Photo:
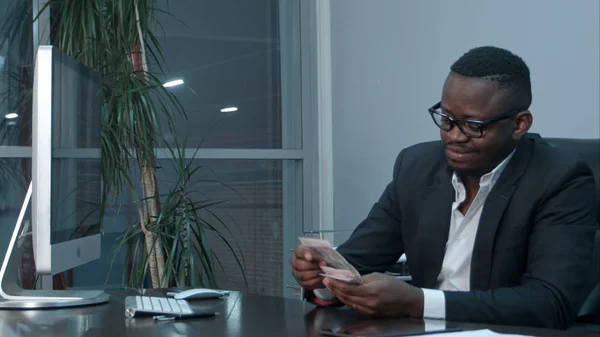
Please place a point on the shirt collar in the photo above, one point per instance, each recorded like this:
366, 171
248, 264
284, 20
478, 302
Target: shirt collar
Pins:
488, 179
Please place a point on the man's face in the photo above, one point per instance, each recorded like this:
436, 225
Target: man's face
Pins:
475, 99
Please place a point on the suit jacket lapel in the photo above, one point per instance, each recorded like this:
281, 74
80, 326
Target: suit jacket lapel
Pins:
493, 209
434, 223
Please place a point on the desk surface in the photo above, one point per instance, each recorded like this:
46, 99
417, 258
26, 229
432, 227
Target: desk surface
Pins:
245, 315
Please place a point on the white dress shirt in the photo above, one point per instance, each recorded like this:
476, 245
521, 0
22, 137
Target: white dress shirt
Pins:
456, 268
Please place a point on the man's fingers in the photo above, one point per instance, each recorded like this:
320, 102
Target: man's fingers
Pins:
356, 296
361, 304
308, 280
305, 253
303, 265
344, 287
364, 310
306, 275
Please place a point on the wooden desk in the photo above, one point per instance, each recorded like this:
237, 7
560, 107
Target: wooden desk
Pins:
244, 315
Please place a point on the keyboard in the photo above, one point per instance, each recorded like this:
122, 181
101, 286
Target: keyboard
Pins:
135, 305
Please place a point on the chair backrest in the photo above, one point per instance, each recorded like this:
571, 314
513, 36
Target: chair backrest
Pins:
588, 150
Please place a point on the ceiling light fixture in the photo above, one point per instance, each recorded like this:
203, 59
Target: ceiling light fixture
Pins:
230, 109
11, 115
173, 83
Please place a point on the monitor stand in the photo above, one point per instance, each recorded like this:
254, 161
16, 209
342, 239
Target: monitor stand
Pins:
12, 296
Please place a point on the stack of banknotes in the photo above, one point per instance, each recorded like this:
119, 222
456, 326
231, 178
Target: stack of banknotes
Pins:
337, 267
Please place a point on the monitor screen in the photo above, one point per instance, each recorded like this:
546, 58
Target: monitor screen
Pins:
76, 124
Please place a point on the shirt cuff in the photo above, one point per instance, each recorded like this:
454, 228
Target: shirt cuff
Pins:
320, 297
324, 294
434, 304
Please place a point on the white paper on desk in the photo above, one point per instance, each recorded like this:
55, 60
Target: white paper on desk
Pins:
476, 333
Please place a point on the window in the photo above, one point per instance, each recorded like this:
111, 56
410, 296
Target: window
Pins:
253, 211
16, 77
240, 64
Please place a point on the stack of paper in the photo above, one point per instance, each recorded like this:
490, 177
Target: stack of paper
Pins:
475, 333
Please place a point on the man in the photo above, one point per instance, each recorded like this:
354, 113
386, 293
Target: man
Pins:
497, 226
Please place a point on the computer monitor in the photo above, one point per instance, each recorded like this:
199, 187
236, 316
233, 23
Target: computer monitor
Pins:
65, 162
66, 185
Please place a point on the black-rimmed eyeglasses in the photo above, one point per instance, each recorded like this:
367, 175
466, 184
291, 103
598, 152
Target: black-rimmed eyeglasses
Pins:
469, 127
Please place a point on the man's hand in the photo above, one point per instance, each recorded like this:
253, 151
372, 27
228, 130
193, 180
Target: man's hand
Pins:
380, 295
306, 268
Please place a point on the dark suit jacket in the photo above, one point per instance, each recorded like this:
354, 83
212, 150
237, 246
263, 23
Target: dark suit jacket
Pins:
533, 245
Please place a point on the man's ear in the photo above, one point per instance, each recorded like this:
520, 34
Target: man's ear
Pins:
523, 122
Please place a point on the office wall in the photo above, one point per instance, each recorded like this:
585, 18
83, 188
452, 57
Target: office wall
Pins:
390, 58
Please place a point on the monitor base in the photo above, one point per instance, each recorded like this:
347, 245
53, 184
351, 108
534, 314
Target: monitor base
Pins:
13, 296
54, 299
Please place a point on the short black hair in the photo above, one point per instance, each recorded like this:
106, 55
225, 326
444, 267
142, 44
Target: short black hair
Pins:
498, 65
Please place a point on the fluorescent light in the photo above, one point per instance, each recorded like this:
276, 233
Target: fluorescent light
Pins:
11, 115
173, 83
230, 109
12, 123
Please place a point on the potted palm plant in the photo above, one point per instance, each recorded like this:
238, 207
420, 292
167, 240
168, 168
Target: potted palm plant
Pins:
115, 38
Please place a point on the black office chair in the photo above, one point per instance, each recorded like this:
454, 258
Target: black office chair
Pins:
588, 150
